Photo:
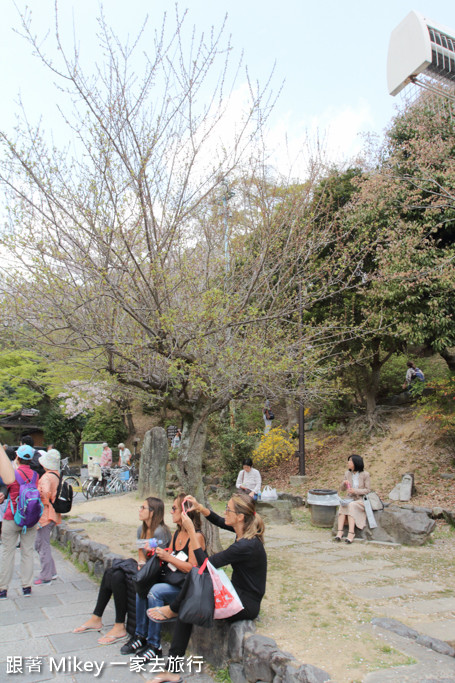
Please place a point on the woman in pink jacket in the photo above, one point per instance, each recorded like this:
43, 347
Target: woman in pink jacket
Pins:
47, 486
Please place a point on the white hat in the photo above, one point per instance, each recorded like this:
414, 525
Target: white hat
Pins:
105, 445
50, 460
121, 445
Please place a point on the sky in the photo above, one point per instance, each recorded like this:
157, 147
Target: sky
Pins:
330, 57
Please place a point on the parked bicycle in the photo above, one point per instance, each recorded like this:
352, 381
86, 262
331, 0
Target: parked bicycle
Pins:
69, 476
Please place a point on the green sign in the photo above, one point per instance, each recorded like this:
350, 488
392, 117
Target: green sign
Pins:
93, 449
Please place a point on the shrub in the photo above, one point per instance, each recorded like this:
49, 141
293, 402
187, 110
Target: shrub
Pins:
276, 446
106, 424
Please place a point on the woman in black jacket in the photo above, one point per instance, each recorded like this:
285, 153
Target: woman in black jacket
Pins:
249, 564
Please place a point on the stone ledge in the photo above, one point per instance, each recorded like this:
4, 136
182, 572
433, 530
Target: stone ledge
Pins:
400, 629
249, 656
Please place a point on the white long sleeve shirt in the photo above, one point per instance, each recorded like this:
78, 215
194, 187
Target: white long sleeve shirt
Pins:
250, 480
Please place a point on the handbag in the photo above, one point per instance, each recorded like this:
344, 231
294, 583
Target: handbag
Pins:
227, 601
375, 502
199, 603
147, 576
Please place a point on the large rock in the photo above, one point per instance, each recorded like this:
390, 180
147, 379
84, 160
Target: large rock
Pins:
397, 525
212, 644
237, 633
406, 487
278, 511
258, 651
152, 466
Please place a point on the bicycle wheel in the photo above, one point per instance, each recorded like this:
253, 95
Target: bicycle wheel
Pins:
86, 488
73, 482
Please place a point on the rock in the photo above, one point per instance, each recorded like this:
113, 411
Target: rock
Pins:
211, 645
406, 632
237, 633
279, 661
437, 513
397, 525
449, 517
153, 463
395, 492
447, 475
296, 501
236, 673
277, 511
258, 651
406, 486
305, 673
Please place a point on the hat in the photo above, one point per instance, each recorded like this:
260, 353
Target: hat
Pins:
121, 445
105, 445
25, 452
50, 460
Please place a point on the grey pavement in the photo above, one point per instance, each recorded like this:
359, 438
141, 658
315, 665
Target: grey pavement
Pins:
36, 639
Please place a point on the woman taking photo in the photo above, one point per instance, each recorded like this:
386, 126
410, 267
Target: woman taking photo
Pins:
249, 568
115, 579
180, 558
357, 484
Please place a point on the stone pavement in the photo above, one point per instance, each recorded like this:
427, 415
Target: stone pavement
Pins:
37, 632
397, 582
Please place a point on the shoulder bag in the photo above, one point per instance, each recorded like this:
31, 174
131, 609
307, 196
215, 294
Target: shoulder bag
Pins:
199, 603
147, 576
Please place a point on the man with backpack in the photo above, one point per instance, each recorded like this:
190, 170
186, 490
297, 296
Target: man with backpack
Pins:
413, 373
48, 487
21, 517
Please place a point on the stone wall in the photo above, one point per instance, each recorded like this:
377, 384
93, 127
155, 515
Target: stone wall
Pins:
249, 656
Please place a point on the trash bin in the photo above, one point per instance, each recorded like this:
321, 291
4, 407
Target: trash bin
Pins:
323, 504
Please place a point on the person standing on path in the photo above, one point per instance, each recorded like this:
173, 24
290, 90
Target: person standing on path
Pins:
266, 414
11, 532
106, 456
47, 486
124, 455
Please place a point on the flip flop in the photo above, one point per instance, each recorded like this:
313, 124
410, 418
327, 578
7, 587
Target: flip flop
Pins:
164, 620
109, 640
85, 629
163, 678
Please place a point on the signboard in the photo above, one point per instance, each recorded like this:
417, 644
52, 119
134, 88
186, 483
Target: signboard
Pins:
93, 449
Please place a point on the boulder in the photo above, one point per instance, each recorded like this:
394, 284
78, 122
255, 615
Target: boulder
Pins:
406, 487
278, 511
304, 673
258, 651
237, 633
397, 525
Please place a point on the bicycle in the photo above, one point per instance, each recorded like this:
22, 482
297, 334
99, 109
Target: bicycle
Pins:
68, 476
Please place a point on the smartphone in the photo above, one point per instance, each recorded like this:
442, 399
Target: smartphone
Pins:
186, 505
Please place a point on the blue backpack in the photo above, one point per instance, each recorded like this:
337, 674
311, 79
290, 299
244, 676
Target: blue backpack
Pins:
419, 374
29, 507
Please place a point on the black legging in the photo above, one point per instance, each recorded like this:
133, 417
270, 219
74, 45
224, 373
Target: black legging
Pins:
182, 631
113, 582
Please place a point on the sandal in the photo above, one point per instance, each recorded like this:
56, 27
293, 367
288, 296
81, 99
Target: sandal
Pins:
109, 640
350, 540
165, 619
164, 678
86, 629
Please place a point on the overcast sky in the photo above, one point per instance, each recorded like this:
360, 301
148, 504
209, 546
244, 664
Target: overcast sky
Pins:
331, 56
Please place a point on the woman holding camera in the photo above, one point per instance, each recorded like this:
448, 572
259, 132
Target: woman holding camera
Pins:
357, 484
179, 559
247, 557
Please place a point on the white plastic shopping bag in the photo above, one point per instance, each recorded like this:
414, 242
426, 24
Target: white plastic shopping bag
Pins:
269, 494
227, 601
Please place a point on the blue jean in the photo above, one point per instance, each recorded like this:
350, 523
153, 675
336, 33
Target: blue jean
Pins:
160, 594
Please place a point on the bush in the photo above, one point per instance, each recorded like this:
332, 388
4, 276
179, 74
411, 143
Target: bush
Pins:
440, 404
274, 448
106, 424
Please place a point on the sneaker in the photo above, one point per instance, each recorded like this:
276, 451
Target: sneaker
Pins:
55, 576
3, 594
151, 653
134, 645
40, 582
27, 591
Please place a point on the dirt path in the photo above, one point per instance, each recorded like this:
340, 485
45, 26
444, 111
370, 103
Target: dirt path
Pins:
321, 596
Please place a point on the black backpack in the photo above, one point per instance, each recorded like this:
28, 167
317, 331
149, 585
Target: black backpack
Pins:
64, 497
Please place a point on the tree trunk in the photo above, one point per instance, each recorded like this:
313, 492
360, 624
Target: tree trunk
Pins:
188, 466
372, 386
292, 418
449, 358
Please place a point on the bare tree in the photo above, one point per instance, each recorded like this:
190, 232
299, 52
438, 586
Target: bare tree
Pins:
119, 250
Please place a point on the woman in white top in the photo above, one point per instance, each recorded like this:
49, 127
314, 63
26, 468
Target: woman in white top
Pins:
249, 480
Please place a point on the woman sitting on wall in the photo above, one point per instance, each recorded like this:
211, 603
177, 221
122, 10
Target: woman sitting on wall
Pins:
115, 580
249, 564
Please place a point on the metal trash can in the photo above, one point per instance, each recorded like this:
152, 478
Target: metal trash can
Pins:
323, 504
